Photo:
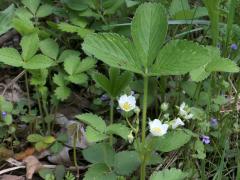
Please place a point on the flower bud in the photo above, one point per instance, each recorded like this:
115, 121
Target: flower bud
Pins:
130, 137
164, 106
137, 110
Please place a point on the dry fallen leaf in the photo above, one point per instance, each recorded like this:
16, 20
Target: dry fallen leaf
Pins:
61, 158
65, 124
22, 155
11, 177
32, 165
5, 153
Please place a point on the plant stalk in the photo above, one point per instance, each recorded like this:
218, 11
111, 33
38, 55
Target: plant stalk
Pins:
111, 119
144, 121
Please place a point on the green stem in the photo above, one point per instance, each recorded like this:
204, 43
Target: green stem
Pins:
144, 115
144, 120
111, 119
28, 95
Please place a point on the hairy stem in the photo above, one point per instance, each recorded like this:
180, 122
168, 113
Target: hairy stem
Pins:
144, 120
111, 119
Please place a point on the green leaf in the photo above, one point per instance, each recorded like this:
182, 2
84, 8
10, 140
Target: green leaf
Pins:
32, 5
38, 61
8, 119
114, 50
49, 48
68, 53
82, 32
78, 78
99, 153
62, 92
5, 106
222, 64
30, 45
116, 83
169, 174
6, 19
76, 5
23, 26
112, 6
99, 172
40, 146
33, 138
49, 139
59, 79
71, 64
86, 64
178, 6
23, 13
102, 81
120, 82
187, 56
93, 120
11, 56
60, 172
93, 135
44, 10
172, 141
118, 129
126, 162
149, 29
199, 74
200, 149
220, 100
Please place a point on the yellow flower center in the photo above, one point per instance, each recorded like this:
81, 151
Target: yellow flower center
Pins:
126, 106
157, 129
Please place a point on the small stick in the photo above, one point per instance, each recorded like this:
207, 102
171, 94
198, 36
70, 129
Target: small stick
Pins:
12, 82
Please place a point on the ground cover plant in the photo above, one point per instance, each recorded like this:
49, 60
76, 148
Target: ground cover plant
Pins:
114, 89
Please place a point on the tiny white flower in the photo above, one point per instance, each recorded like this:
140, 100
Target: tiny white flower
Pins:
164, 106
188, 116
157, 128
182, 112
182, 106
177, 122
127, 103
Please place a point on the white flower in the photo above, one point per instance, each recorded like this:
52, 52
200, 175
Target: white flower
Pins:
185, 111
177, 122
188, 116
164, 106
127, 103
157, 128
182, 112
182, 106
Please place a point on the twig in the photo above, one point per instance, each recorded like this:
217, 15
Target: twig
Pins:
20, 165
13, 81
11, 169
